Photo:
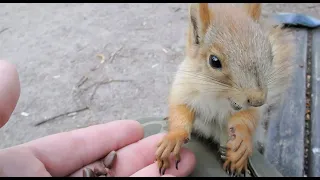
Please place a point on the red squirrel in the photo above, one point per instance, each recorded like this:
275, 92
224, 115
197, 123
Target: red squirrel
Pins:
234, 68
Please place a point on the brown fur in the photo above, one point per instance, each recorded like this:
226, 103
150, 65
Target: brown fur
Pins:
240, 148
181, 118
205, 16
254, 10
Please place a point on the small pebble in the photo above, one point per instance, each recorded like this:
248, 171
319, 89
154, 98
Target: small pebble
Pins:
24, 114
308, 116
72, 114
155, 65
164, 50
308, 77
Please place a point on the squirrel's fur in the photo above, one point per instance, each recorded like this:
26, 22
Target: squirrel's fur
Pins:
256, 59
253, 53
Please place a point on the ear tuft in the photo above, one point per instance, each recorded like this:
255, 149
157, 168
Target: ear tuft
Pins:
253, 10
204, 16
200, 18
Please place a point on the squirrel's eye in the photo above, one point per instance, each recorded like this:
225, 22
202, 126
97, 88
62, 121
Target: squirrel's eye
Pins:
214, 62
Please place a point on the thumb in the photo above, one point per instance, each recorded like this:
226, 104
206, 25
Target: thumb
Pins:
9, 91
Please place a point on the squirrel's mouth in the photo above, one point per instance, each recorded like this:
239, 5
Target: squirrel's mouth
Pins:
234, 105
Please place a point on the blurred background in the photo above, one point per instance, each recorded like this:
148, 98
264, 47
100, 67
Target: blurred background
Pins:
85, 64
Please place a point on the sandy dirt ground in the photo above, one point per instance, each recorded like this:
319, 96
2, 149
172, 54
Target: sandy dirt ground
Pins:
105, 61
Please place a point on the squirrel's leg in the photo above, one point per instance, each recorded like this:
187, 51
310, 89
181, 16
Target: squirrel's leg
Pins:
241, 129
179, 131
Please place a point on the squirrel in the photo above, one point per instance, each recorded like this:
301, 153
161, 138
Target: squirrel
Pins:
235, 68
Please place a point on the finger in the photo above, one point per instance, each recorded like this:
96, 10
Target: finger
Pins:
168, 175
138, 155
126, 165
64, 153
102, 164
187, 165
9, 91
20, 162
131, 158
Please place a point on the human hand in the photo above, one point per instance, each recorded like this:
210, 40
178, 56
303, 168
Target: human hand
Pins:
66, 154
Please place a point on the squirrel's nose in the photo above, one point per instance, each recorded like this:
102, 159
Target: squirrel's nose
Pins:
256, 98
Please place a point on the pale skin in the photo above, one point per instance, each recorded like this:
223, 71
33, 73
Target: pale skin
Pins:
66, 154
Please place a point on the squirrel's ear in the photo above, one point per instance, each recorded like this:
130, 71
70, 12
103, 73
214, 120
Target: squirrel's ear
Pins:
254, 10
199, 20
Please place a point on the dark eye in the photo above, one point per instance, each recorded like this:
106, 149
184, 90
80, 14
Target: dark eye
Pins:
214, 62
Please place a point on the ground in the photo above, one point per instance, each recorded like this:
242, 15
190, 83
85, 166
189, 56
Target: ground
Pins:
57, 49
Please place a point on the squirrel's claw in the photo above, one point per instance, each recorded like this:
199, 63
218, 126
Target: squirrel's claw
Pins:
163, 165
235, 155
222, 151
169, 144
233, 173
177, 163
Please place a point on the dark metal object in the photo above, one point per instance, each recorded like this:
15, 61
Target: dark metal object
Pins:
314, 151
285, 139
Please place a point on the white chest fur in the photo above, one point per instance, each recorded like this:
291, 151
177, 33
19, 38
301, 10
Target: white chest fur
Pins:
211, 117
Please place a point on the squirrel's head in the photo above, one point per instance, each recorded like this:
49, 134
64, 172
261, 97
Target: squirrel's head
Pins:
231, 51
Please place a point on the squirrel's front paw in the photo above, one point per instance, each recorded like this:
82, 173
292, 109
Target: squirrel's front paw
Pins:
239, 148
172, 142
